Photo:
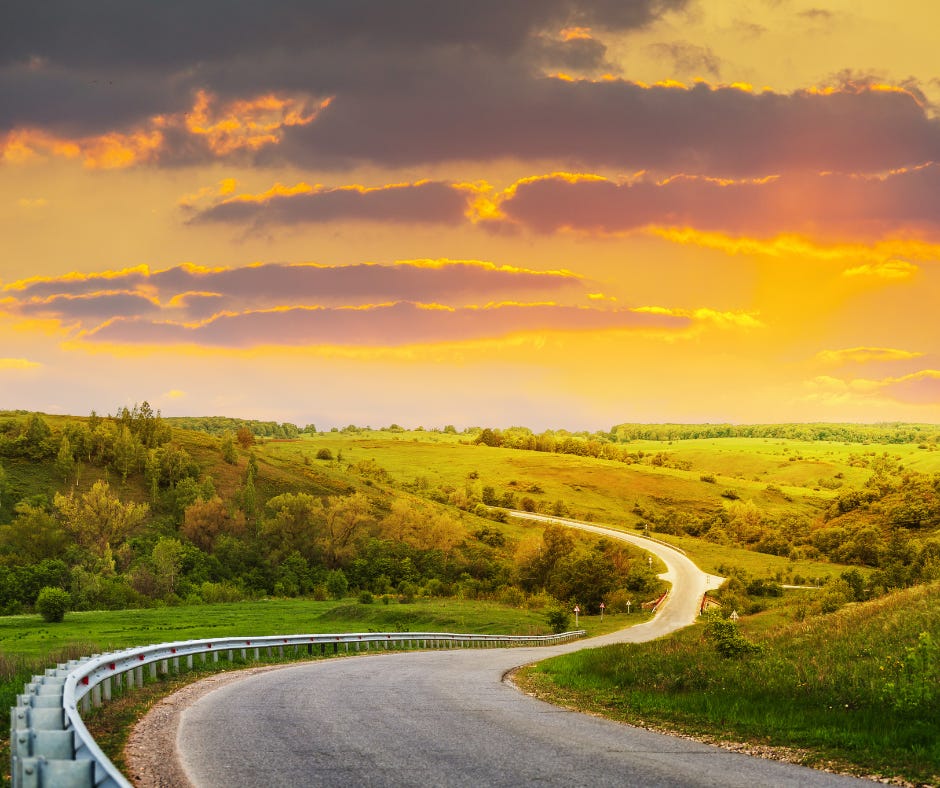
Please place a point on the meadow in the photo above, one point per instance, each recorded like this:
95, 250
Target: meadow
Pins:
856, 690
283, 531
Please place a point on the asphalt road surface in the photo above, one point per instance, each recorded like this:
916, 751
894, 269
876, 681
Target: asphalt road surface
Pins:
447, 718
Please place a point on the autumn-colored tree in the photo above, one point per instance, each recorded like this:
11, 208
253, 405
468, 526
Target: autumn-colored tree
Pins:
244, 437
205, 521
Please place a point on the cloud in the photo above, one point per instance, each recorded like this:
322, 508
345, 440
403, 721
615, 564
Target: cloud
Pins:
385, 325
422, 202
337, 85
88, 307
892, 270
705, 315
690, 60
98, 66
863, 355
828, 206
193, 293
918, 388
18, 364
718, 130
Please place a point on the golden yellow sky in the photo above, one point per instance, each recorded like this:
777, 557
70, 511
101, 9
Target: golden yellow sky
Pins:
555, 214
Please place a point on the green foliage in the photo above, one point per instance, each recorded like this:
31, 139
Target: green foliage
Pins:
365, 598
337, 584
324, 454
227, 448
559, 619
53, 603
728, 640
914, 686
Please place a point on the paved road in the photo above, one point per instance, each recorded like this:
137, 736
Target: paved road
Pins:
446, 718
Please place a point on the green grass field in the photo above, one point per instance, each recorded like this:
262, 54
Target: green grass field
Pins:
859, 688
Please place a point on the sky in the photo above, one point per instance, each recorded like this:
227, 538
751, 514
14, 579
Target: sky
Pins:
547, 213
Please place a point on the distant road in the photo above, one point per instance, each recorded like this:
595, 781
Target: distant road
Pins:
447, 718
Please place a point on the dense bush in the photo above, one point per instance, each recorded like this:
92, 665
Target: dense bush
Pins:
53, 603
558, 619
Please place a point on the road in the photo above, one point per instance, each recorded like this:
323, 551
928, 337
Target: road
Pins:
447, 718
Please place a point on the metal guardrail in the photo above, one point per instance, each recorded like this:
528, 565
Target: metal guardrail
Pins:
51, 747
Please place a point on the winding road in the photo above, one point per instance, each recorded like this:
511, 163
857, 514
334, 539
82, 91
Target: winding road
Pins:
447, 718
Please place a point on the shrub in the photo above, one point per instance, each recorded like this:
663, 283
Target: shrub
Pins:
337, 584
53, 603
324, 454
365, 598
558, 619
729, 642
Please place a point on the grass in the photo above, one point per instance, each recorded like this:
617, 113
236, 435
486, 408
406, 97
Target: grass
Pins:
851, 689
28, 645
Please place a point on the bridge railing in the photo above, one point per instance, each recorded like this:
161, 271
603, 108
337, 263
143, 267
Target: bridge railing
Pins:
51, 747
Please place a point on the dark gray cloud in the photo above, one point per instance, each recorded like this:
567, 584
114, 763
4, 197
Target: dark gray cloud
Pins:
390, 325
418, 82
56, 56
171, 35
701, 130
423, 203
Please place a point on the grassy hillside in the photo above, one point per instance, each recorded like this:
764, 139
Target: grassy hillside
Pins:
858, 689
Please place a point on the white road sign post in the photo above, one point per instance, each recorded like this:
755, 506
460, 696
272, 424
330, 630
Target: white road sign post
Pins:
629, 602
576, 611
602, 610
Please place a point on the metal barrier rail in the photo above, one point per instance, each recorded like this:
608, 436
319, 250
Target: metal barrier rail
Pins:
50, 746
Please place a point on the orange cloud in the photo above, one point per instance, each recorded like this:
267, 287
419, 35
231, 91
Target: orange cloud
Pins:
705, 315
862, 355
222, 129
892, 270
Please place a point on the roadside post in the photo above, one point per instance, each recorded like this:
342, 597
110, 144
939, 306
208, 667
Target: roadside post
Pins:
629, 602
576, 611
602, 610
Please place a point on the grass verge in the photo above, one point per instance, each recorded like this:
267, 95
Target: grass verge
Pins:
858, 690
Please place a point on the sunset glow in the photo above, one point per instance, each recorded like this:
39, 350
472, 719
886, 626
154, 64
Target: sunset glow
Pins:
569, 216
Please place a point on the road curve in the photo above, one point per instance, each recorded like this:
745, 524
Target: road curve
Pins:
446, 718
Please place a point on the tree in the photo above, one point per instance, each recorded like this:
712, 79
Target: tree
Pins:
4, 487
296, 525
65, 462
248, 496
127, 452
34, 535
227, 448
99, 520
344, 519
244, 437
205, 521
167, 557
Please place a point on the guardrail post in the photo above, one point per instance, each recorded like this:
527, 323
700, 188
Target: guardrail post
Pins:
96, 695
